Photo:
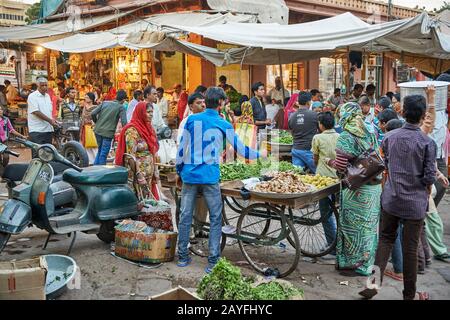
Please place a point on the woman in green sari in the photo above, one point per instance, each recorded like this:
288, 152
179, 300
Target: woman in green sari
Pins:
357, 237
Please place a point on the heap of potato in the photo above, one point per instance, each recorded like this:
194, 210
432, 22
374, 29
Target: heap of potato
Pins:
283, 182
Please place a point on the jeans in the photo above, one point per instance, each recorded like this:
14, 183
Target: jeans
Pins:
411, 235
304, 159
440, 189
213, 197
397, 254
329, 224
423, 250
104, 145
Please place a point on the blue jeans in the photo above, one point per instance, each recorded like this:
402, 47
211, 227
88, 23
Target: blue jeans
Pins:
329, 224
104, 145
213, 197
304, 159
397, 254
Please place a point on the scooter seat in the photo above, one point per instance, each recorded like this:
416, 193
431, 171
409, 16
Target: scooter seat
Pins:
16, 171
97, 175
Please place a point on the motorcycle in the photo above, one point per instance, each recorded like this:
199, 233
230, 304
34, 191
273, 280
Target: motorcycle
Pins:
65, 138
102, 196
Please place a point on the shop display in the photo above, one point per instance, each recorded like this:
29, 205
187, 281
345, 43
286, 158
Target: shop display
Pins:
283, 182
319, 181
241, 171
136, 241
284, 137
226, 282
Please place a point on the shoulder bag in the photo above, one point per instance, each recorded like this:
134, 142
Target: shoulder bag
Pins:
364, 169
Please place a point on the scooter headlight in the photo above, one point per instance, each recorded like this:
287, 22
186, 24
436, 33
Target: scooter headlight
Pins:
46, 154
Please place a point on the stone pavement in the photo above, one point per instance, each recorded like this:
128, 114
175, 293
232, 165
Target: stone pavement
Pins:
107, 277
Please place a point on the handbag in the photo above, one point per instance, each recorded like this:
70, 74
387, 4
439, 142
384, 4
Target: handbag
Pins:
364, 169
89, 137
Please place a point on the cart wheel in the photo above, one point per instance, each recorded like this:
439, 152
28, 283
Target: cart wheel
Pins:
198, 243
260, 238
310, 232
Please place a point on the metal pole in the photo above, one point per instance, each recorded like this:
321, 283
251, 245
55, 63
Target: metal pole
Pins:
281, 77
282, 83
389, 10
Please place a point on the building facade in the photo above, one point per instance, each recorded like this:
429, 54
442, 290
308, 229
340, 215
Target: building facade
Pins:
12, 13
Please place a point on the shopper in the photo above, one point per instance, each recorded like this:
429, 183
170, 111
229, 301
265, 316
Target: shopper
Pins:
259, 109
86, 124
106, 117
199, 171
138, 96
304, 125
406, 192
40, 120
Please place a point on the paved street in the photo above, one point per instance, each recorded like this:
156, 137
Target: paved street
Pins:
107, 277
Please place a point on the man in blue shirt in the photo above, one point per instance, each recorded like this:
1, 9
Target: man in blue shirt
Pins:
198, 157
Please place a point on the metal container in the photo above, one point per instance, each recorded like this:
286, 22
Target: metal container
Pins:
419, 87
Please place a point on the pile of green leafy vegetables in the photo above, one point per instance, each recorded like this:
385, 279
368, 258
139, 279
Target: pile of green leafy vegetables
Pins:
226, 282
241, 171
284, 137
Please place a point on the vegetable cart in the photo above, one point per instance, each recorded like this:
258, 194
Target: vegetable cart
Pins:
271, 233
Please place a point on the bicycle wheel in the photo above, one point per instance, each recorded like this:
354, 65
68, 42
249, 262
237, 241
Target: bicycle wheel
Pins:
260, 238
311, 234
199, 236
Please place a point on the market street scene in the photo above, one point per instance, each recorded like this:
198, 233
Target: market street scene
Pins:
224, 150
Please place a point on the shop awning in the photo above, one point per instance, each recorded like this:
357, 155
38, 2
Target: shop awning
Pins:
46, 30
85, 42
418, 35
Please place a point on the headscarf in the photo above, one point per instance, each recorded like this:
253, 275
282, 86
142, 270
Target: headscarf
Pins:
351, 119
289, 109
247, 113
54, 100
182, 104
146, 131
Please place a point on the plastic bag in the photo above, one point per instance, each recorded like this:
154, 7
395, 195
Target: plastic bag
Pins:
89, 137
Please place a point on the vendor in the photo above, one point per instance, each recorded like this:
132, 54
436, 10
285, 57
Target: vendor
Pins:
69, 110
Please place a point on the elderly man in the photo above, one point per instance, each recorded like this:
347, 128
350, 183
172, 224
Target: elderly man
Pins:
277, 92
40, 120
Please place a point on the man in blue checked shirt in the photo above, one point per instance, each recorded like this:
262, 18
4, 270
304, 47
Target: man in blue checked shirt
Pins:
204, 136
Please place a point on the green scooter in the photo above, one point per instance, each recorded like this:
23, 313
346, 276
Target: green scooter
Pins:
102, 196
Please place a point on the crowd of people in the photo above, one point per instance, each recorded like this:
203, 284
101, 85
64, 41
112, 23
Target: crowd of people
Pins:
394, 214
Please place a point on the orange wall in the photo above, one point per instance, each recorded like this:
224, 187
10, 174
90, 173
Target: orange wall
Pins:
200, 71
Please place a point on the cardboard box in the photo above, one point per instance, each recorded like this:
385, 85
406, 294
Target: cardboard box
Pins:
23, 280
178, 293
138, 242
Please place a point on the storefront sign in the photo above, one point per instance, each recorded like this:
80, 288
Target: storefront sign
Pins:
8, 66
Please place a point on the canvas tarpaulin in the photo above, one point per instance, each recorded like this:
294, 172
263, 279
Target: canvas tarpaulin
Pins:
418, 35
32, 32
84, 42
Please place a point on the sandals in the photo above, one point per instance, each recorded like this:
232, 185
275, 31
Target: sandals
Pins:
443, 257
423, 295
392, 274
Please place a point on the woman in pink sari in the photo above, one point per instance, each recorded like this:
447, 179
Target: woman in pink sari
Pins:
289, 110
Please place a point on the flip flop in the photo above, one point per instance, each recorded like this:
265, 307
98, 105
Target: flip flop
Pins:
423, 296
393, 275
443, 257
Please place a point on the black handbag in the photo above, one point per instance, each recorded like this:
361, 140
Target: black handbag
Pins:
364, 169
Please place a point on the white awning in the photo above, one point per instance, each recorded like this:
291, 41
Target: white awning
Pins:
85, 42
46, 30
419, 35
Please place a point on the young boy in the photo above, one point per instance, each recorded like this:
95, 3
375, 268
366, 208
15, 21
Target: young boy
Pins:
323, 149
6, 128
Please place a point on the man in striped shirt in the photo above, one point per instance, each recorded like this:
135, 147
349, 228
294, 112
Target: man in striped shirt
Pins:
410, 159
